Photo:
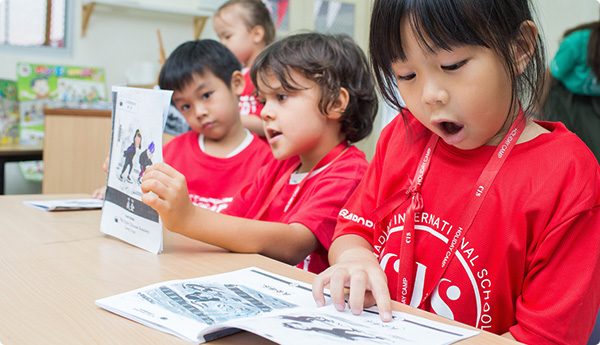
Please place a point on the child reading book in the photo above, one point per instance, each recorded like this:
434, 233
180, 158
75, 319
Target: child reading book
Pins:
218, 156
318, 97
473, 210
246, 28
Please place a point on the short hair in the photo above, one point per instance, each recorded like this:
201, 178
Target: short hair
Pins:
257, 13
444, 24
197, 57
332, 62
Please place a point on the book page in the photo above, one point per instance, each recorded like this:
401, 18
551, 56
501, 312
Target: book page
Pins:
138, 120
325, 326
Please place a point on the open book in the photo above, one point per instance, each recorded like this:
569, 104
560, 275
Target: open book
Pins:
275, 307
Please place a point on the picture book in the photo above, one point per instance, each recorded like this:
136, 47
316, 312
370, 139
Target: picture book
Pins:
138, 119
275, 307
9, 112
53, 86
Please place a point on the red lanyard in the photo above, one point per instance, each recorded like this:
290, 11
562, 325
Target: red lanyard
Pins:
485, 180
334, 154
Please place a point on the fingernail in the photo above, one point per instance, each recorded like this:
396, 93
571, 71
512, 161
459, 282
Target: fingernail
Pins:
356, 311
387, 316
340, 307
320, 303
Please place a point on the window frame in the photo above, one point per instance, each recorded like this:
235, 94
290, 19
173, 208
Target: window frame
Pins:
52, 52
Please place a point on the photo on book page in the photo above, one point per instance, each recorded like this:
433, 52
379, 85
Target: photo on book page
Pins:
138, 120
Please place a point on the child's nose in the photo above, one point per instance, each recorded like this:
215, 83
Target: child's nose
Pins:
267, 113
200, 110
434, 93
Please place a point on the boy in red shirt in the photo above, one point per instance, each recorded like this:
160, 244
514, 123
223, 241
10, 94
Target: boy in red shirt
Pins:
218, 155
318, 97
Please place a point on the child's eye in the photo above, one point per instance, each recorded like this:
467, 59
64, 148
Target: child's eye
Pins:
206, 95
407, 77
261, 101
455, 66
282, 97
184, 107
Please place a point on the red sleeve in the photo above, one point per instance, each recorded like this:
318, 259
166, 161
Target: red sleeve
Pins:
561, 292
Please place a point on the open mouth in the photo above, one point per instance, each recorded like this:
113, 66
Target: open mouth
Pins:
272, 133
451, 128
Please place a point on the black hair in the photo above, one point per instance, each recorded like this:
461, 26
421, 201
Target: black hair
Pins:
593, 51
256, 14
332, 62
444, 24
197, 57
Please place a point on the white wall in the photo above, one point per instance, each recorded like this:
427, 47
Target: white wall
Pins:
556, 16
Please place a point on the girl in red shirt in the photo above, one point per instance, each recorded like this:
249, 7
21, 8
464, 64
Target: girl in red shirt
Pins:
470, 209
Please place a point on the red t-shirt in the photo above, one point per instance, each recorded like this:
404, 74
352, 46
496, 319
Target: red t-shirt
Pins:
249, 104
317, 205
528, 264
213, 182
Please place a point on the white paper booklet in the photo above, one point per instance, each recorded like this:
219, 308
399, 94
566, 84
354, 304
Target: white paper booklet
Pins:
66, 205
272, 306
139, 116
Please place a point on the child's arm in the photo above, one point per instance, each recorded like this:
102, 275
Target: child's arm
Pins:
354, 266
290, 243
253, 124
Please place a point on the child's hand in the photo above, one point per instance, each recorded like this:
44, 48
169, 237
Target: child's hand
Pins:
99, 193
358, 269
171, 198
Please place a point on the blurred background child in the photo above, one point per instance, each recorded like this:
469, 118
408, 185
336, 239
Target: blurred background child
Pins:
246, 28
574, 95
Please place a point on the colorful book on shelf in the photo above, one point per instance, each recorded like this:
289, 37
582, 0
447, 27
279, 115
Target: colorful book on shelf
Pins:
275, 307
43, 86
138, 119
9, 112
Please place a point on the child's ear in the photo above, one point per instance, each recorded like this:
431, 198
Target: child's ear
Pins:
339, 106
524, 45
237, 82
258, 34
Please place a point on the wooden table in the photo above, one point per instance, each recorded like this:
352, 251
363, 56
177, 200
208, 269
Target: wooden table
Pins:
17, 153
54, 265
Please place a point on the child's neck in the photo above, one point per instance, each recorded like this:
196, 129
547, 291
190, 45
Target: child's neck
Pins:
222, 147
309, 159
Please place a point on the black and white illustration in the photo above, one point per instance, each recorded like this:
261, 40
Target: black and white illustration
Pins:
139, 116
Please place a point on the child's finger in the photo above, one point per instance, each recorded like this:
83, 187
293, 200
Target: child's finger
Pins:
318, 286
337, 286
358, 287
381, 294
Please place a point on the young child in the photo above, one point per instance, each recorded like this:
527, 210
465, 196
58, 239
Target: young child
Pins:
318, 96
574, 95
473, 210
218, 156
246, 28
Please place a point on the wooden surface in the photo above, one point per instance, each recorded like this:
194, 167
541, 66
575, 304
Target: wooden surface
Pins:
76, 143
54, 265
20, 150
